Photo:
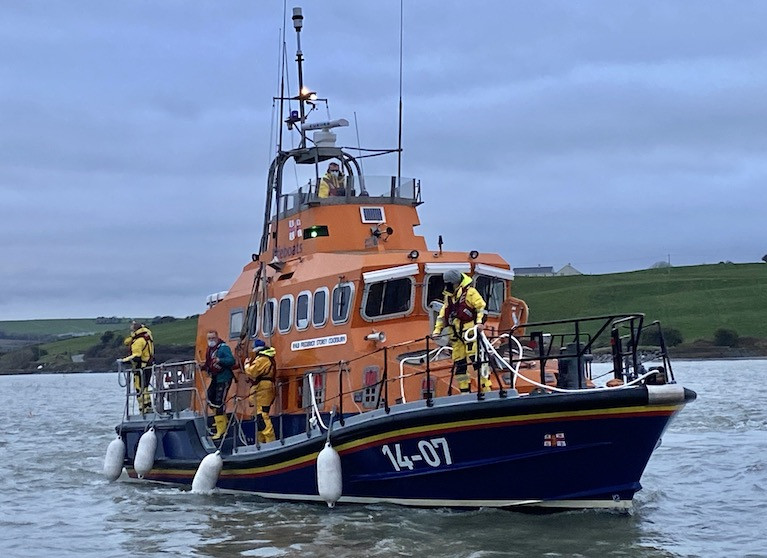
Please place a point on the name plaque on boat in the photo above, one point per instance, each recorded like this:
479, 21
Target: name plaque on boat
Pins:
318, 342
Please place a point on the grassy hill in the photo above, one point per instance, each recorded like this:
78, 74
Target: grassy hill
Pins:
174, 339
76, 326
180, 332
696, 300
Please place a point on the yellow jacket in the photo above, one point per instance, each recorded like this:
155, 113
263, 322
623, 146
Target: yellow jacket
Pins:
141, 347
473, 299
329, 185
260, 367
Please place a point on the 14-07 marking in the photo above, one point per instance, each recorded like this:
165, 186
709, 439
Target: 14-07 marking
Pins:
429, 451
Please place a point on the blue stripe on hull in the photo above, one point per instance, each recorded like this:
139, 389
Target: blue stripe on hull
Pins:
602, 459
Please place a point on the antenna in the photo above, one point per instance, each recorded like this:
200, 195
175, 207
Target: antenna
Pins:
298, 23
399, 133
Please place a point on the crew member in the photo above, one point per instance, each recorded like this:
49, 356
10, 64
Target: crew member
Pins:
141, 359
219, 361
462, 310
333, 183
261, 370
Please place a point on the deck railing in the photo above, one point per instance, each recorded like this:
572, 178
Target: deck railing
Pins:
562, 351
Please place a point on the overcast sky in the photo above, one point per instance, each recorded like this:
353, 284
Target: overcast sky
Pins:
135, 135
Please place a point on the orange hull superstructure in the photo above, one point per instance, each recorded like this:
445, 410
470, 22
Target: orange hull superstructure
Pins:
331, 337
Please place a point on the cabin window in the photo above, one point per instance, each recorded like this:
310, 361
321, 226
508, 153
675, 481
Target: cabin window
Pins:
341, 303
302, 310
253, 320
267, 317
320, 307
434, 288
492, 290
285, 314
236, 317
388, 298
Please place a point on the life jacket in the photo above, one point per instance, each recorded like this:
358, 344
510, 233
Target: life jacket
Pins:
459, 309
144, 334
268, 374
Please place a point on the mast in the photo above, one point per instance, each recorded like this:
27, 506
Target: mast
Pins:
298, 23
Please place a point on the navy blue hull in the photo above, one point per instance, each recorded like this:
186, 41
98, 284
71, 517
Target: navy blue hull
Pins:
556, 449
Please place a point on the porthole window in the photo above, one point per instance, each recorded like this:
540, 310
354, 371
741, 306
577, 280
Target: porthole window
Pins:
285, 314
303, 303
253, 320
320, 307
341, 303
384, 299
267, 317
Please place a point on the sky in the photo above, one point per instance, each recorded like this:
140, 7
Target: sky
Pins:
135, 137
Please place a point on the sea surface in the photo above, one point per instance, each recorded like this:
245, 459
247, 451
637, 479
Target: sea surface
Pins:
705, 491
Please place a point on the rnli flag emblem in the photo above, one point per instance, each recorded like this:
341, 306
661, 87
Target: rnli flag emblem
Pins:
294, 229
554, 440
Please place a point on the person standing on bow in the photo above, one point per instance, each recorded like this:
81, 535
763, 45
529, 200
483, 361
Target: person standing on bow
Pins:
462, 309
141, 359
219, 362
261, 370
333, 183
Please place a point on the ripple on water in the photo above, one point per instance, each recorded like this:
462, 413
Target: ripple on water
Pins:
705, 487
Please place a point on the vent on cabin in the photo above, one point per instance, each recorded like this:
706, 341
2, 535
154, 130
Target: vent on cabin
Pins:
372, 214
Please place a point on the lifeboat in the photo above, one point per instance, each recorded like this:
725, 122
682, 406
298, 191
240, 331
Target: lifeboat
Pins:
367, 407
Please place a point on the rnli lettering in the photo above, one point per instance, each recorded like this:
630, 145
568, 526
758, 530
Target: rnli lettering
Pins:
288, 251
318, 342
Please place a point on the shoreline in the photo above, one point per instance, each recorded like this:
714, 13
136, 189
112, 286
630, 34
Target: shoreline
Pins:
673, 360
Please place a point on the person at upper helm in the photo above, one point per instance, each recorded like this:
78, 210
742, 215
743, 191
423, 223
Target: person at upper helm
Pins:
461, 311
333, 183
141, 359
261, 370
219, 361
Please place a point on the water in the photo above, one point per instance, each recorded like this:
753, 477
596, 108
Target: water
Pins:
704, 491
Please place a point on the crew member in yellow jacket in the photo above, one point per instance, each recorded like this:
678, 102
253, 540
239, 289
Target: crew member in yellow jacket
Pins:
141, 359
261, 369
333, 183
462, 309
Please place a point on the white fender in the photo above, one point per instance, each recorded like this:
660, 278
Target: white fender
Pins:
114, 459
206, 477
329, 480
144, 460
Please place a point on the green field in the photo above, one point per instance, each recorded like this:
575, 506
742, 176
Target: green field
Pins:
696, 300
180, 332
74, 326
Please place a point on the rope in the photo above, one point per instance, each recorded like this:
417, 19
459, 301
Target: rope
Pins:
315, 410
402, 376
489, 347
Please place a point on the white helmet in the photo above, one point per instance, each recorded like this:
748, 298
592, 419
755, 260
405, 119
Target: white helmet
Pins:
452, 276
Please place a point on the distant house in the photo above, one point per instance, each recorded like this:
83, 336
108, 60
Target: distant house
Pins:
569, 270
539, 271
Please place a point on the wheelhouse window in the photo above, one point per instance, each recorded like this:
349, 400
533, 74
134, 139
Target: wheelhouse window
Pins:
341, 303
388, 298
320, 307
267, 317
434, 288
236, 317
303, 303
285, 314
492, 290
